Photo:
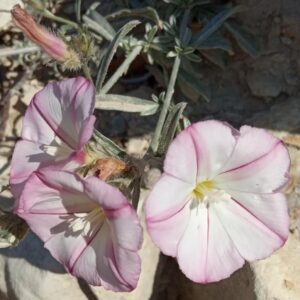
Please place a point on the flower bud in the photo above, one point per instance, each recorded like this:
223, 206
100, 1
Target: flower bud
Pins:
49, 42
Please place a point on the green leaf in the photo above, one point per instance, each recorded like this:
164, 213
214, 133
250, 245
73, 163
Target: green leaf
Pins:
99, 28
216, 41
214, 24
102, 21
78, 10
170, 127
12, 229
146, 12
110, 51
126, 103
245, 40
191, 84
184, 31
108, 145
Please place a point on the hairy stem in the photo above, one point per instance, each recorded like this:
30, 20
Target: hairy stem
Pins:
17, 51
121, 70
47, 14
166, 104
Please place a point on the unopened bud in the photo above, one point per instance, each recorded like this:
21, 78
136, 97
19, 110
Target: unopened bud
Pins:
49, 42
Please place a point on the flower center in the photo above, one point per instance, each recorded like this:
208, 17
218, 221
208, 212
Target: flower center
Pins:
83, 221
207, 193
57, 149
202, 188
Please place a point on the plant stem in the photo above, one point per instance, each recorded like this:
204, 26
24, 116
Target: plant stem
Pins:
47, 14
121, 70
14, 51
78, 10
166, 104
86, 71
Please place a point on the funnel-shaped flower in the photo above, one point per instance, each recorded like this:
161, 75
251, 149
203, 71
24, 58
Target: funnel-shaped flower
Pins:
86, 224
50, 43
57, 124
218, 202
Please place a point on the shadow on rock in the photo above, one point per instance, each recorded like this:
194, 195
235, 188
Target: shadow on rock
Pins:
171, 284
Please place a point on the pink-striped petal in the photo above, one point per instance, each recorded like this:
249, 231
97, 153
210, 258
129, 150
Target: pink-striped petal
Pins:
252, 144
104, 263
270, 209
167, 197
181, 158
214, 142
28, 157
86, 130
61, 109
206, 253
264, 175
53, 192
125, 227
166, 233
103, 194
252, 238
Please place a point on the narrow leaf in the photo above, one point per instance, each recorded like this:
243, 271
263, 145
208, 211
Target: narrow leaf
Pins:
126, 103
78, 10
110, 51
214, 24
170, 126
216, 41
108, 145
245, 40
102, 21
183, 29
187, 82
146, 12
93, 25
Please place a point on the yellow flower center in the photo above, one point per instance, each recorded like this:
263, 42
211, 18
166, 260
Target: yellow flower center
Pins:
202, 188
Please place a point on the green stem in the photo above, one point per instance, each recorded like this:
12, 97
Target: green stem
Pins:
121, 70
166, 104
78, 10
47, 14
86, 71
13, 51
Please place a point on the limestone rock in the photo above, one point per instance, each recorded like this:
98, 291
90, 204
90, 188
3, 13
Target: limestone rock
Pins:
5, 17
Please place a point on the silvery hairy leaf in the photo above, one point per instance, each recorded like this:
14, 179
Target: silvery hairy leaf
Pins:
126, 103
170, 126
110, 51
108, 145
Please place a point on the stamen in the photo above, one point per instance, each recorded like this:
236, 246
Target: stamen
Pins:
57, 149
83, 221
202, 188
206, 192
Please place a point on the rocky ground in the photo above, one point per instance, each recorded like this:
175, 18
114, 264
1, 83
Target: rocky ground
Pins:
263, 92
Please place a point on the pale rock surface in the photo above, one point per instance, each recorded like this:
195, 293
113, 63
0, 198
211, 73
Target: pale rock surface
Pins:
278, 277
5, 17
